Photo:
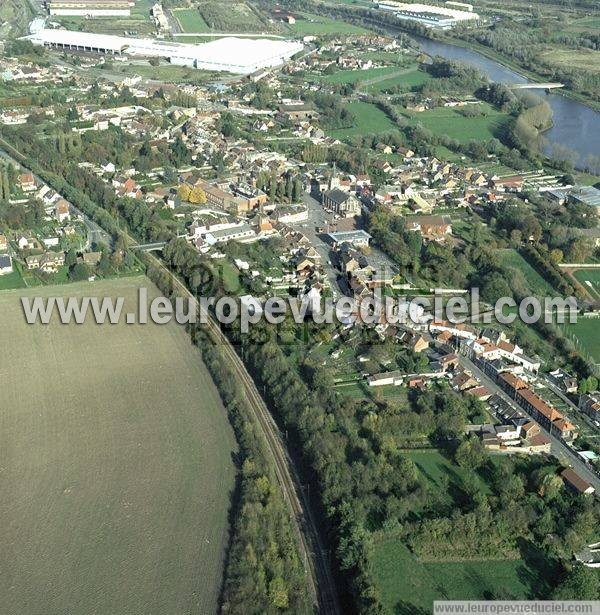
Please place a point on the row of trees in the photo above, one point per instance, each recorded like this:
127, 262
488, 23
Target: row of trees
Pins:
285, 188
264, 572
192, 194
7, 181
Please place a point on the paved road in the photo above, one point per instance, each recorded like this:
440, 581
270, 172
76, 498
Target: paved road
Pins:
217, 34
319, 218
558, 447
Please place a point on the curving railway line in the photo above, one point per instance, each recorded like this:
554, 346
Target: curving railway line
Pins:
321, 582
320, 579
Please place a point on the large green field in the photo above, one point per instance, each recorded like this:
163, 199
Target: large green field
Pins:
537, 284
375, 80
190, 20
369, 120
587, 23
317, 25
237, 16
585, 59
405, 80
358, 76
116, 459
450, 121
409, 586
11, 280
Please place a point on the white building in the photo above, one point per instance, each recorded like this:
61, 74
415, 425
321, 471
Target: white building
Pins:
439, 17
229, 232
229, 54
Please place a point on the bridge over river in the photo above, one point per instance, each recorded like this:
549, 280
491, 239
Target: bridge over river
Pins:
536, 86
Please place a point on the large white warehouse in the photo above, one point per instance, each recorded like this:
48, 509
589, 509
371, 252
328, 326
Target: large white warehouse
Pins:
230, 54
439, 17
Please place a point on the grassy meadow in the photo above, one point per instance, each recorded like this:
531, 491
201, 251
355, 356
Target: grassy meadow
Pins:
190, 20
451, 122
369, 120
537, 284
317, 25
409, 586
585, 333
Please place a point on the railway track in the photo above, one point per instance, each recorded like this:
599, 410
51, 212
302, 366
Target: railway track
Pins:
320, 579
321, 584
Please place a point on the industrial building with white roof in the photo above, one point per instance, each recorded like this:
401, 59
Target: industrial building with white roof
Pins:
230, 54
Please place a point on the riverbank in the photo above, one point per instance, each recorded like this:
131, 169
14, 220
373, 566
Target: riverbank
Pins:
572, 136
509, 63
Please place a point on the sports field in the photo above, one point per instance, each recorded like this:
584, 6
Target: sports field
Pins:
590, 279
369, 120
585, 334
116, 465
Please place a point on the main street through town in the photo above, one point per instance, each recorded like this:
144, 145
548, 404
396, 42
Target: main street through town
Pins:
319, 218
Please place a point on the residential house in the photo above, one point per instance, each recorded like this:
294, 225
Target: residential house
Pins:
457, 330
50, 262
463, 381
417, 343
26, 182
449, 362
394, 378
511, 183
297, 112
589, 403
62, 211
5, 264
576, 483
567, 384
480, 392
406, 152
91, 259
432, 228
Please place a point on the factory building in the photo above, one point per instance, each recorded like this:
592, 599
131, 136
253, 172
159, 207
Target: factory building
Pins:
230, 54
442, 18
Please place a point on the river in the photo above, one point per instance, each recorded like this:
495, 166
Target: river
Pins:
576, 126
